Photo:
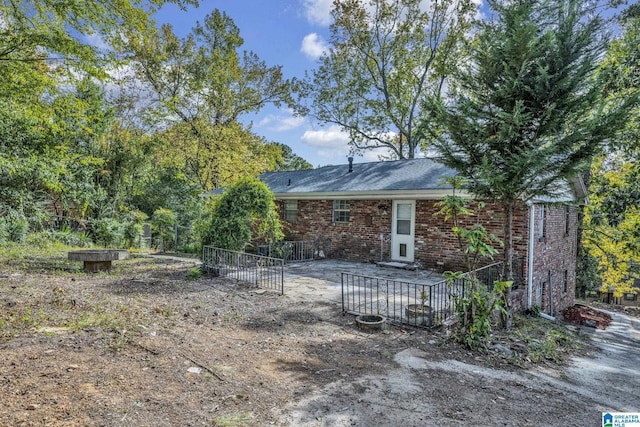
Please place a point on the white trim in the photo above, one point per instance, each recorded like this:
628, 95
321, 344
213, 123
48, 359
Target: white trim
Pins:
407, 239
532, 242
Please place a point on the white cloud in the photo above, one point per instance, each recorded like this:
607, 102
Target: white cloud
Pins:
281, 123
330, 143
331, 137
313, 46
318, 11
333, 143
96, 40
288, 123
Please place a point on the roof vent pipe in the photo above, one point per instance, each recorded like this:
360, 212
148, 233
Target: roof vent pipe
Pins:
350, 164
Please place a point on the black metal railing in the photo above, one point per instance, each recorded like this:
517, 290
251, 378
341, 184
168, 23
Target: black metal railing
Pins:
415, 304
297, 250
264, 272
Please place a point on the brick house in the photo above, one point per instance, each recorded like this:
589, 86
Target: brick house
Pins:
385, 211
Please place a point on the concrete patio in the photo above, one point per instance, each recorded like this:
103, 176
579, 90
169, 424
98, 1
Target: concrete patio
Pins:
370, 289
324, 277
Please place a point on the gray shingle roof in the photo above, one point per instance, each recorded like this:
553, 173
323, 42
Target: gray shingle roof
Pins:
407, 175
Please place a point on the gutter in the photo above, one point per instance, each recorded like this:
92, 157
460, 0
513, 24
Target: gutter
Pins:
425, 194
532, 221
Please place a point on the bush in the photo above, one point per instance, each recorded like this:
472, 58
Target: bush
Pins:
245, 211
107, 232
16, 228
132, 227
4, 234
163, 224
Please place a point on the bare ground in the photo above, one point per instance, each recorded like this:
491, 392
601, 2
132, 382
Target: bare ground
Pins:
145, 346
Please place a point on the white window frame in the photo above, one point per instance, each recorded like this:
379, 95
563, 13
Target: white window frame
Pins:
341, 211
290, 210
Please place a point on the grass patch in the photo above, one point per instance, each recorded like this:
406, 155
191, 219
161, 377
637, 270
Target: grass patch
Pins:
194, 273
235, 420
546, 341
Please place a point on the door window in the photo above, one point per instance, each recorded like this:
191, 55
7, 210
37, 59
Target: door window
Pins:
403, 218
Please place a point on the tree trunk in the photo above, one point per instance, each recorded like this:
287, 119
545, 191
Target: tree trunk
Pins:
507, 269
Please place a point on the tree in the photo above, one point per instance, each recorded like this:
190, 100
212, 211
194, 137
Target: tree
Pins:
612, 219
55, 120
612, 226
246, 211
528, 112
290, 161
204, 85
55, 31
387, 58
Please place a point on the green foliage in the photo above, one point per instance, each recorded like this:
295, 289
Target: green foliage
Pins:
611, 236
204, 85
587, 275
544, 341
245, 212
476, 310
386, 60
107, 232
132, 227
475, 242
530, 113
16, 227
34, 30
289, 161
70, 151
194, 273
534, 311
163, 224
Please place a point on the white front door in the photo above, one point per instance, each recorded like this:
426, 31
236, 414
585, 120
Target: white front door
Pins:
402, 230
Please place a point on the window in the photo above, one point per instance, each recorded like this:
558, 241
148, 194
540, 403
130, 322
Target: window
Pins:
403, 219
541, 231
290, 210
565, 281
340, 211
629, 297
567, 219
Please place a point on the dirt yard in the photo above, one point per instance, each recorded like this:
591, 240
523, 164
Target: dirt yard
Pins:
147, 346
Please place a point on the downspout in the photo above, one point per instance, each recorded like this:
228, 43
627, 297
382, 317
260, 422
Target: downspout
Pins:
532, 238
550, 293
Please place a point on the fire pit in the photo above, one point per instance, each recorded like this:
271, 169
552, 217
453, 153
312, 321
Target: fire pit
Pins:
371, 323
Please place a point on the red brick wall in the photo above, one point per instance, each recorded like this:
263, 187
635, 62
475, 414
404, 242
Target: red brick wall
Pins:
554, 254
357, 240
367, 237
360, 239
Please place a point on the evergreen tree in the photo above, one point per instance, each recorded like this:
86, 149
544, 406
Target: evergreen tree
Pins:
528, 112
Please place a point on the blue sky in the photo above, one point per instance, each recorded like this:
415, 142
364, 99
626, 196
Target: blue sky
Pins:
290, 33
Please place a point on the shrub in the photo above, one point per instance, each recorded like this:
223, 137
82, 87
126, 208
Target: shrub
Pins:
107, 232
132, 227
244, 212
16, 228
163, 224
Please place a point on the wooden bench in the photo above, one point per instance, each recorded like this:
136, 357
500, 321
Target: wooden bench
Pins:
98, 259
